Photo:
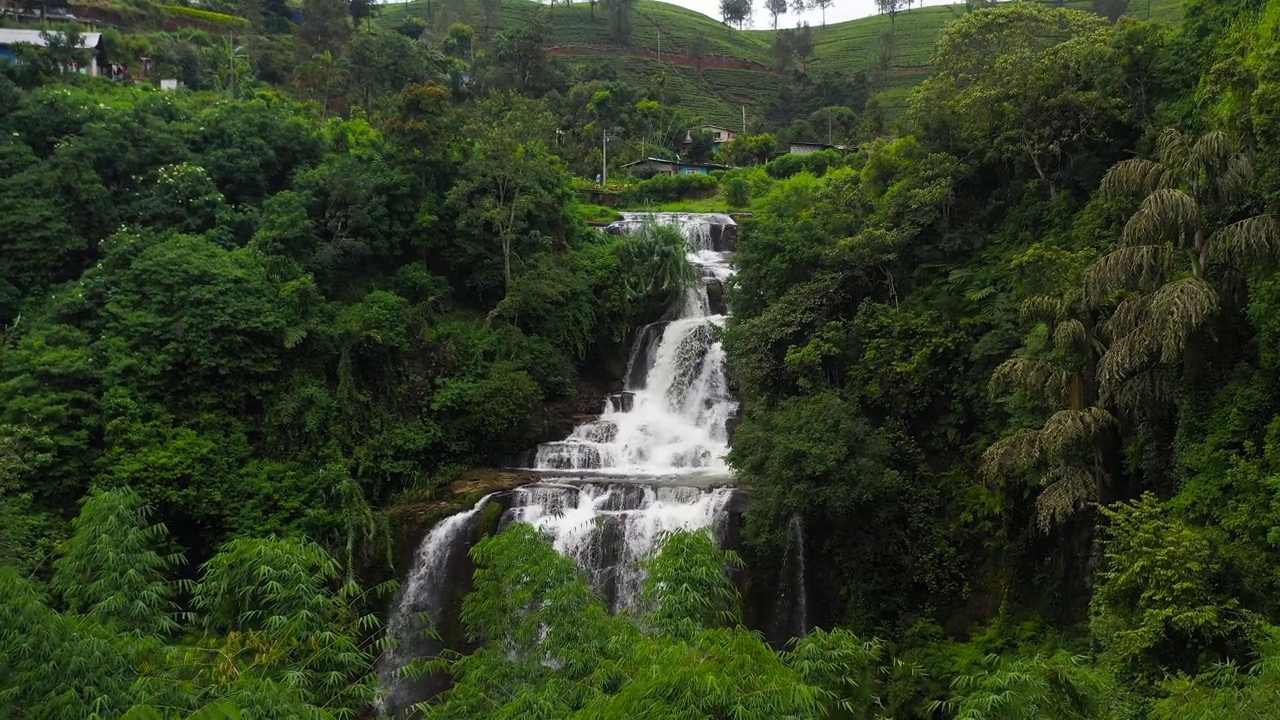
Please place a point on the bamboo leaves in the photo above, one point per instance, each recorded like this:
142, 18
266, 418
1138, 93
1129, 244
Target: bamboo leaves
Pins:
280, 639
553, 652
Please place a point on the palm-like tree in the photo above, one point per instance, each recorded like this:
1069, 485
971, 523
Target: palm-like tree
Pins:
1176, 254
658, 262
1067, 455
323, 77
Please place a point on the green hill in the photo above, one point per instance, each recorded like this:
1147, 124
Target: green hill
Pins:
739, 70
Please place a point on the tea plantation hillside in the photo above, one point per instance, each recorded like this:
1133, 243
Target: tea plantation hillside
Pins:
738, 68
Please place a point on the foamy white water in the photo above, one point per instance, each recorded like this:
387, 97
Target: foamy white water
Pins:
674, 418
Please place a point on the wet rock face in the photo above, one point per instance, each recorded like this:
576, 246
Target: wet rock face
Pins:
731, 424
715, 298
724, 238
621, 401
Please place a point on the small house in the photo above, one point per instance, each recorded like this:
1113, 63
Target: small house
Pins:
649, 167
719, 135
10, 38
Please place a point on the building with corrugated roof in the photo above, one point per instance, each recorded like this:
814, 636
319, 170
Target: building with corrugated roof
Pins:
10, 38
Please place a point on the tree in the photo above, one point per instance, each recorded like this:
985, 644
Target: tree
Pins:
551, 650
109, 568
751, 149
325, 26
362, 10
40, 248
618, 16
459, 42
891, 8
1112, 10
1069, 453
1230, 691
658, 257
380, 64
522, 63
505, 180
1013, 84
782, 55
41, 649
284, 625
823, 4
278, 640
1054, 687
735, 12
1160, 606
802, 45
323, 78
1178, 253
699, 49
776, 8
491, 9
884, 59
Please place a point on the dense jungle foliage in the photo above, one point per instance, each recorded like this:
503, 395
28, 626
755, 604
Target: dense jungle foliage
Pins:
1013, 365
1016, 370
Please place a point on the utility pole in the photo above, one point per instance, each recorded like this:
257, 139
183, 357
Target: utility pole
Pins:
744, 119
604, 157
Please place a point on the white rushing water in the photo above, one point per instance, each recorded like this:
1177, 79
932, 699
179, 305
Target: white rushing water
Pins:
673, 418
420, 593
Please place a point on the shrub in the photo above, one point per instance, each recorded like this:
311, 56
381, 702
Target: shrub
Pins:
817, 163
669, 188
736, 192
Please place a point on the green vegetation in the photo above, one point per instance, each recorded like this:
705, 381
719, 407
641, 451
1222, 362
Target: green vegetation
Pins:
230, 21
1013, 365
1014, 370
553, 650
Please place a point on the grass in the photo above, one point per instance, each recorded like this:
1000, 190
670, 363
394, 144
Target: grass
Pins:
717, 93
598, 214
714, 204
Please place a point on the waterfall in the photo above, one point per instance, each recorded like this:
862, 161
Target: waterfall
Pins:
791, 614
673, 418
422, 594
652, 462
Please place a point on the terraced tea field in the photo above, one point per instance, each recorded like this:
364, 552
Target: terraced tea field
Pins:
738, 70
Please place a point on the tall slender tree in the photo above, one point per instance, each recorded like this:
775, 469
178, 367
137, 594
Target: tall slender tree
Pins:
775, 8
617, 14
735, 12
823, 5
1067, 455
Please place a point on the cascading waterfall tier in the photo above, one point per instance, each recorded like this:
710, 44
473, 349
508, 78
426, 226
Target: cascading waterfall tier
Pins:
652, 462
609, 528
421, 605
673, 417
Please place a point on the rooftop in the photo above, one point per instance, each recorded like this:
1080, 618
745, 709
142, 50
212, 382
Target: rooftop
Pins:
679, 162
33, 37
